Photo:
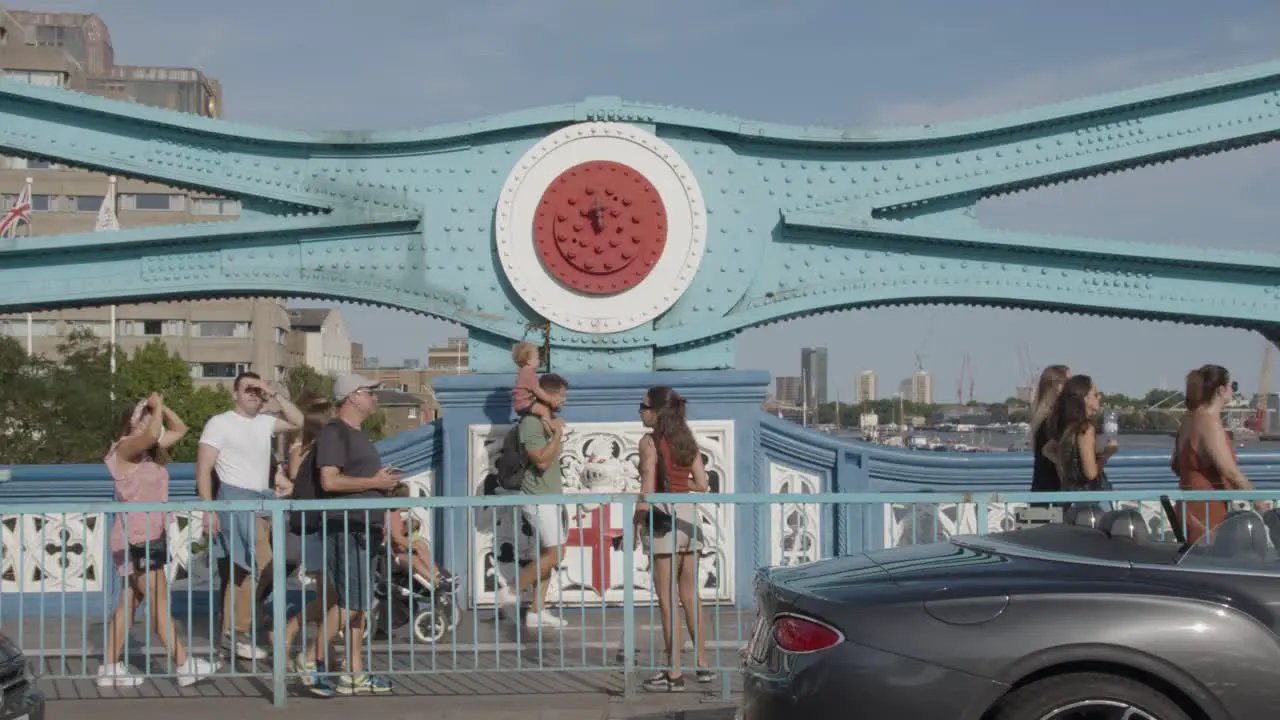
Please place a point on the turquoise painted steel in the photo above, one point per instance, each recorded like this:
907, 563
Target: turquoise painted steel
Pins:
64, 640
800, 220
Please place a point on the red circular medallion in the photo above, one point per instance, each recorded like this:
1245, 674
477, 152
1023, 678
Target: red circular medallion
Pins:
601, 227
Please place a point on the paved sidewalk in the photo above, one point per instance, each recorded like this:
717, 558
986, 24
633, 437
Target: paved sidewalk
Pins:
690, 705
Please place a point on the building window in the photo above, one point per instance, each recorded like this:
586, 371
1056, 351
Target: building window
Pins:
217, 371
50, 36
39, 328
281, 334
280, 373
413, 413
404, 388
214, 206
88, 203
219, 329
42, 78
151, 328
100, 328
160, 202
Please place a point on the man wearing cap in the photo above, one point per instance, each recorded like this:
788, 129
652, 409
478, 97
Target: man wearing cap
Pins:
349, 465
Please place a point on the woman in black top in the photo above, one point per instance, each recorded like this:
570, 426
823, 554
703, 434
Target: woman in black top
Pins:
1044, 474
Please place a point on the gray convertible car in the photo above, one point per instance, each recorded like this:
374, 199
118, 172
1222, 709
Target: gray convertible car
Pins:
1085, 619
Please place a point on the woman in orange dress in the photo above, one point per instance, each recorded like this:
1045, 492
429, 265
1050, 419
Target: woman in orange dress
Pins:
1203, 458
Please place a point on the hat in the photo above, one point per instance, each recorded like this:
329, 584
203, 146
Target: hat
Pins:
347, 384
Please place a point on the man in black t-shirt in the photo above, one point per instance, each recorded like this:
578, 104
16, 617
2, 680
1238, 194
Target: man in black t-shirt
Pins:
349, 465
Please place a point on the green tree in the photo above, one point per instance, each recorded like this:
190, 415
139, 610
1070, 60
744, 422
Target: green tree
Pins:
303, 380
375, 426
26, 410
154, 368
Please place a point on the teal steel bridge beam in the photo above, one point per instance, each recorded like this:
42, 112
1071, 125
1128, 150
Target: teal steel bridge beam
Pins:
766, 222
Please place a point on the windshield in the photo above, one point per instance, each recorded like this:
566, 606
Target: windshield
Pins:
1241, 543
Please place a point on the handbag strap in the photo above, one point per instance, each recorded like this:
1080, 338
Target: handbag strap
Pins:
662, 465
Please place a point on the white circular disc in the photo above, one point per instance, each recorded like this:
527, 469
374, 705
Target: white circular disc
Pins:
686, 218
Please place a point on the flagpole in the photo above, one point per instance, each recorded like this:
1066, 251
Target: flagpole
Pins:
107, 222
31, 345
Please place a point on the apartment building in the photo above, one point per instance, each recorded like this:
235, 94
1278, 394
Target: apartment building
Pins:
319, 338
865, 390
74, 51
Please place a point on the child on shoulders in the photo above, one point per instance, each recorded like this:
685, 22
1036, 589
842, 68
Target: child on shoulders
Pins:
526, 394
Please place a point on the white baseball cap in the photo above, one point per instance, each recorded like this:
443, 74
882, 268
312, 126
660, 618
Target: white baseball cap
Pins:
347, 384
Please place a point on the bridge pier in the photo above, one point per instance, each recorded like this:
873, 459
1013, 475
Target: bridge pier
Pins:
600, 456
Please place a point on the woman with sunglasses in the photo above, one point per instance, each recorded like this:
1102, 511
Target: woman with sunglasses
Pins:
1203, 458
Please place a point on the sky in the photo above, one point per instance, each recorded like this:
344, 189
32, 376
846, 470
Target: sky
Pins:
396, 64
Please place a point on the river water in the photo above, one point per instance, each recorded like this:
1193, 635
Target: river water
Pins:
1002, 441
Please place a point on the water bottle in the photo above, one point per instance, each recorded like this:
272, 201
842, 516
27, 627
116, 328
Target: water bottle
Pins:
1110, 427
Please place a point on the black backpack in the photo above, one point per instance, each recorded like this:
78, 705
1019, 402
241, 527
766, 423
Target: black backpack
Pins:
511, 462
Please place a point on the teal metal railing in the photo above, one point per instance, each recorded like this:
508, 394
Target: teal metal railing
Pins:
61, 585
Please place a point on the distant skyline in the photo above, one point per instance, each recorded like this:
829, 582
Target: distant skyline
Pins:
818, 62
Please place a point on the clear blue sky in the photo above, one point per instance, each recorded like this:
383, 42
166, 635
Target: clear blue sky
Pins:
405, 63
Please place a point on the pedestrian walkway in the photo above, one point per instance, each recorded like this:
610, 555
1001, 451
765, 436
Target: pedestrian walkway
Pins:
550, 706
482, 658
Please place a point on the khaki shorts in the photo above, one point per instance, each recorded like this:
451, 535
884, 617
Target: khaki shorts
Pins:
685, 535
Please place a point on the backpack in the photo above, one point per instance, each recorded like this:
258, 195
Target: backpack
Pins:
511, 461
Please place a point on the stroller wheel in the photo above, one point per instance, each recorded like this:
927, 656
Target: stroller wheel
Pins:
429, 626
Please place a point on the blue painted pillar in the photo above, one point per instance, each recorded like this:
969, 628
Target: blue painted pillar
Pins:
603, 409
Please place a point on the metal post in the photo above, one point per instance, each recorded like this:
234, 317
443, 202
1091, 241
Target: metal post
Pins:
628, 598
278, 605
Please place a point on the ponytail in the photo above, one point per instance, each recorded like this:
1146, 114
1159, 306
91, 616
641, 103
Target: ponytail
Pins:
1203, 383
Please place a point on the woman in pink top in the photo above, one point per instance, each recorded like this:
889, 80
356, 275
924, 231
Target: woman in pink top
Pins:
139, 547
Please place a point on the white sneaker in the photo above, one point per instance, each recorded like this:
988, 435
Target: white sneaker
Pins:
543, 619
117, 675
247, 650
507, 598
194, 670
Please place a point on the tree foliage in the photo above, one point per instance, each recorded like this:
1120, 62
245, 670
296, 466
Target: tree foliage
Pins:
305, 381
71, 411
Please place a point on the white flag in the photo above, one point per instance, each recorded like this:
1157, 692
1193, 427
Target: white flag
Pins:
107, 220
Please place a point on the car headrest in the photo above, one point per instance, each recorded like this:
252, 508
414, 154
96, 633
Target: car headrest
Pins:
1085, 514
1242, 534
1271, 519
1125, 525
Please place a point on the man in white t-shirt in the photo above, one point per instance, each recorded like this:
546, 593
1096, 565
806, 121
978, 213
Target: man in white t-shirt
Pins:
237, 446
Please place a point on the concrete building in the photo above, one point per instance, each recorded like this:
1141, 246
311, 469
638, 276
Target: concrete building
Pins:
402, 411
74, 51
219, 340
787, 390
318, 337
918, 389
813, 374
451, 358
865, 387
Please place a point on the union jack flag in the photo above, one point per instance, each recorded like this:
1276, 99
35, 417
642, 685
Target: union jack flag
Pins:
17, 215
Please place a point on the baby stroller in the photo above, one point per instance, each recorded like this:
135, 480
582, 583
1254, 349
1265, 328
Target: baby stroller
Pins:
406, 597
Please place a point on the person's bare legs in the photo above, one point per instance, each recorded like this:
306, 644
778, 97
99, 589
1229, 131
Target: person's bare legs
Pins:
161, 619
694, 617
536, 572
312, 613
671, 639
122, 620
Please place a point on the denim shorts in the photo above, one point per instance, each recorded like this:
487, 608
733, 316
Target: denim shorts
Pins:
347, 567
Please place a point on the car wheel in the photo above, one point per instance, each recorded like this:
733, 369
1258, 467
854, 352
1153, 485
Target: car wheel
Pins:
1077, 696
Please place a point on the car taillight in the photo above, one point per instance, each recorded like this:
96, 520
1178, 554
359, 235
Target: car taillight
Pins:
796, 634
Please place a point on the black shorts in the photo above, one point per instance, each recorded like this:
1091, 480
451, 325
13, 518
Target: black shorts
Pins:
146, 557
